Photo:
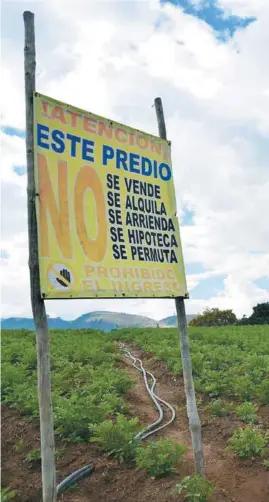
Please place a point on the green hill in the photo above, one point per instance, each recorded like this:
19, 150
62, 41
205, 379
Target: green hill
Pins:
103, 320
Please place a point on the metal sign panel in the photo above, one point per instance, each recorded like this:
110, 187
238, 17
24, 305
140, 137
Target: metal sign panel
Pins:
106, 208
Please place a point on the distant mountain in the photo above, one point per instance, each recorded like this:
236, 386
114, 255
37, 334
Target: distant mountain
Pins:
171, 322
103, 320
27, 323
17, 323
107, 321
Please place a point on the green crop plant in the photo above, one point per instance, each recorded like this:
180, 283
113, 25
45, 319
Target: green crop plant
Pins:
160, 458
195, 488
34, 457
117, 437
247, 412
7, 494
229, 362
87, 385
219, 408
248, 442
263, 392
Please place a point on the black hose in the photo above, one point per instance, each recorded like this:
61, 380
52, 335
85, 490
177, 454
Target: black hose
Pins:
74, 478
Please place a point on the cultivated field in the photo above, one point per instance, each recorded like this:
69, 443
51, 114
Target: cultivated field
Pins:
95, 388
231, 362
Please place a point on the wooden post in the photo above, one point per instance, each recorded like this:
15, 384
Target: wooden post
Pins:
193, 416
38, 306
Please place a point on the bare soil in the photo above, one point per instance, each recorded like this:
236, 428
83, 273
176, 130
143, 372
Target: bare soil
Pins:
237, 480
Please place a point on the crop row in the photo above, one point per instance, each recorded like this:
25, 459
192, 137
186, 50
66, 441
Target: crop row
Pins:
88, 389
229, 362
87, 385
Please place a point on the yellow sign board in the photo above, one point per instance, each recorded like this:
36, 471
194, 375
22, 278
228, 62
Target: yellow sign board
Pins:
106, 209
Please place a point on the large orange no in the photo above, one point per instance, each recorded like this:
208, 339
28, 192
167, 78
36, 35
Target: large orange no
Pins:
87, 179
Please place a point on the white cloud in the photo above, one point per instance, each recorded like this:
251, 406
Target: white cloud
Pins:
244, 8
114, 59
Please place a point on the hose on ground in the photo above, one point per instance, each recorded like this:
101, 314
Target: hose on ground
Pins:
145, 433
152, 428
74, 478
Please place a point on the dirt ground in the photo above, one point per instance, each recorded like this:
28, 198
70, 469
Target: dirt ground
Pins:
237, 480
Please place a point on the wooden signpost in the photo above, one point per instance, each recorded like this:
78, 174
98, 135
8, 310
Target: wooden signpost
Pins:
193, 416
53, 276
38, 305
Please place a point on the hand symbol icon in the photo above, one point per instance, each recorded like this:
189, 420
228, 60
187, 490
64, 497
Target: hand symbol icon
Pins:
66, 275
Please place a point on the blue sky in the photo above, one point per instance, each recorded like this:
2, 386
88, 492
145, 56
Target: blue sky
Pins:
208, 288
194, 268
13, 131
20, 170
187, 218
224, 25
263, 283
